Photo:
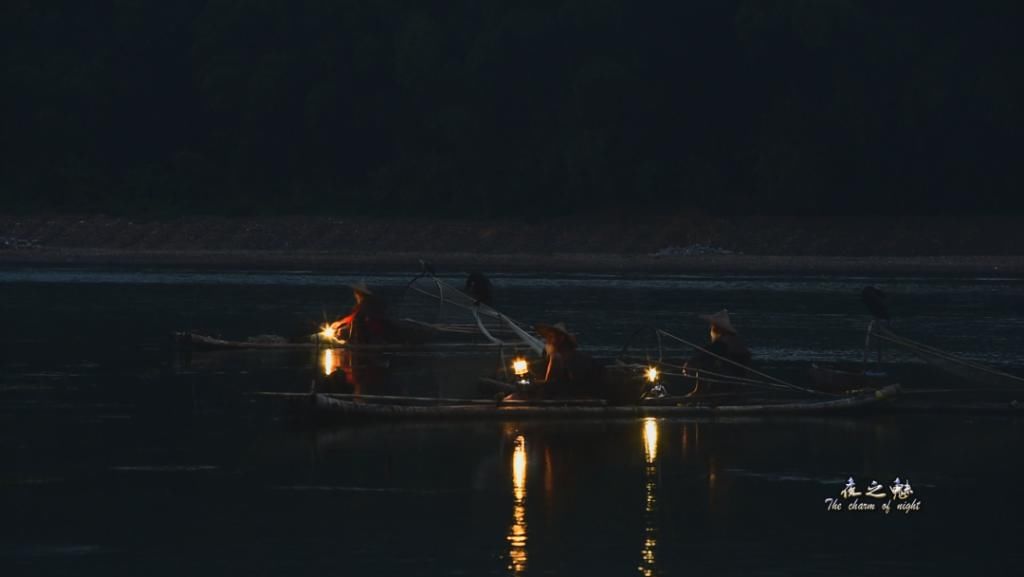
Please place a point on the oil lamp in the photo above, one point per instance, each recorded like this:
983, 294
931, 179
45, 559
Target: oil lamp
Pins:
521, 369
655, 390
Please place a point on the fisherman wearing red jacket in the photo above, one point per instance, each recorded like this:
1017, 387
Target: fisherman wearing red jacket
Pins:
367, 321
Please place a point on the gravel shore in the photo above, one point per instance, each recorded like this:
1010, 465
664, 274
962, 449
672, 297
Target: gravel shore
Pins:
995, 266
759, 245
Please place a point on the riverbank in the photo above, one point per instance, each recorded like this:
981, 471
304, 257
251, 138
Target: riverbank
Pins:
1001, 266
990, 246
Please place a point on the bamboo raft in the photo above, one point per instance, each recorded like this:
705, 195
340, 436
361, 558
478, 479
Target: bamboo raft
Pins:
340, 409
836, 379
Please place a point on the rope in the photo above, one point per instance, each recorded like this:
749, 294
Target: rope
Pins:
778, 382
738, 380
703, 376
721, 378
931, 351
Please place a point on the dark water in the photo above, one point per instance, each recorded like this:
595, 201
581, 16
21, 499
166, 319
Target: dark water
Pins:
121, 457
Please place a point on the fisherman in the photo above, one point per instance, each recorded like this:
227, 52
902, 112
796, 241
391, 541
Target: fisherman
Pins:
570, 372
367, 322
726, 351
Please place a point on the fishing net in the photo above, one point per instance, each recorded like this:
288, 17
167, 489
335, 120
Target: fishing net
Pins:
439, 310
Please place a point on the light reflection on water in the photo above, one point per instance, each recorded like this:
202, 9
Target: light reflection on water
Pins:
517, 531
650, 439
330, 360
648, 565
644, 495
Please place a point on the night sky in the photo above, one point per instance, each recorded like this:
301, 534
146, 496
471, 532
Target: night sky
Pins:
822, 107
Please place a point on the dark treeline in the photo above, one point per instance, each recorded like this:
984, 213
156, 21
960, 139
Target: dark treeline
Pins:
487, 108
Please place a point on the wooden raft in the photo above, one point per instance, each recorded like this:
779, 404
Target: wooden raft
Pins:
334, 408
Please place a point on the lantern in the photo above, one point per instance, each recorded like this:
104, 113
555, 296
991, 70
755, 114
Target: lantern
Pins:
521, 369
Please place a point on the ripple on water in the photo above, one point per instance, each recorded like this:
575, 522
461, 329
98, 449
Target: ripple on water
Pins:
358, 489
38, 550
164, 468
786, 477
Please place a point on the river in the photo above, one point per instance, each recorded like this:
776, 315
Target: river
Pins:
123, 458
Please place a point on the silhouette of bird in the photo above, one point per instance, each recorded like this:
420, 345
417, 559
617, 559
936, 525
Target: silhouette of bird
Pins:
478, 286
874, 300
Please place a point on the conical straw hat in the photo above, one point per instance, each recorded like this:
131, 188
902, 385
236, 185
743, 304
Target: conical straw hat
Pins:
360, 287
720, 320
558, 328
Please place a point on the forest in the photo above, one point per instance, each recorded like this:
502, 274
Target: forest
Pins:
492, 109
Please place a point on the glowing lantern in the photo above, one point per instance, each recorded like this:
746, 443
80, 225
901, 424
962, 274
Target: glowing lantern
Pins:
520, 367
652, 374
327, 332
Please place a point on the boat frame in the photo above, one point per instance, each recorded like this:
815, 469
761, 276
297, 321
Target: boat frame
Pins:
339, 409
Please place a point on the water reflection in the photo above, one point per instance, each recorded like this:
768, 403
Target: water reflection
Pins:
648, 564
347, 371
330, 361
517, 531
593, 469
650, 439
685, 444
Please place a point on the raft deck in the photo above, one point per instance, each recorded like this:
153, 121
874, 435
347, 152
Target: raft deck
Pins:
327, 408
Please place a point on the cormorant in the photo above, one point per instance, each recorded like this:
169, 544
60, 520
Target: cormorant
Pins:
874, 300
478, 286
